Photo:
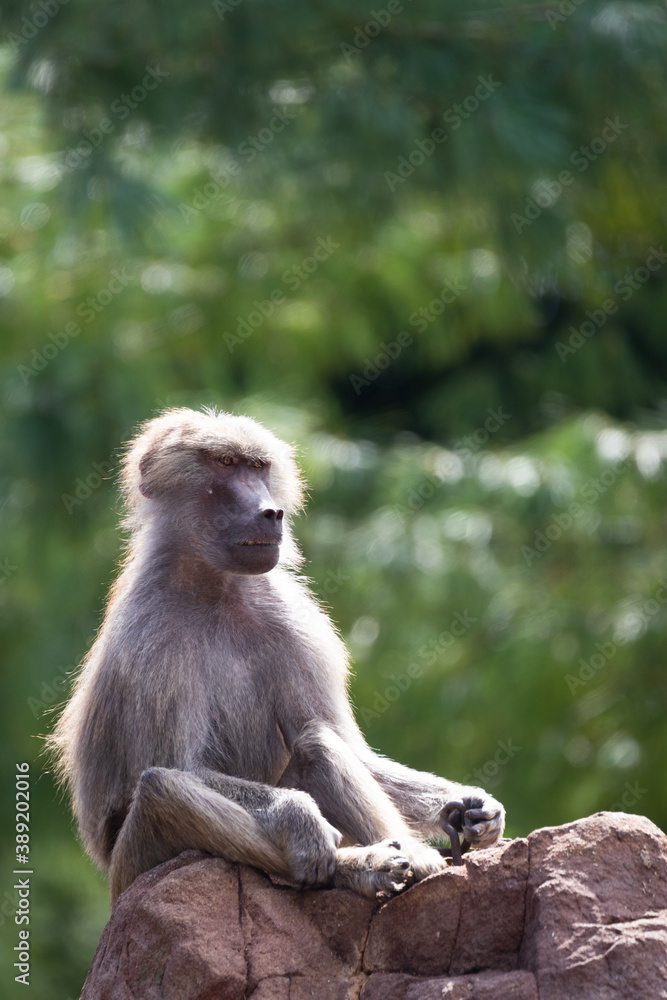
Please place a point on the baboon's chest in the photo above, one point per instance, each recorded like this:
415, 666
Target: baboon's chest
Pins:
244, 737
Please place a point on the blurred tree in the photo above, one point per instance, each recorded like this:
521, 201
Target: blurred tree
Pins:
518, 150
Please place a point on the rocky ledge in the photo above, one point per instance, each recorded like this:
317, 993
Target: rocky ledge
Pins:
574, 912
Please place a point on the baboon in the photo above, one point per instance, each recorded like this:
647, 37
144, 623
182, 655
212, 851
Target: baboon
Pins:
212, 710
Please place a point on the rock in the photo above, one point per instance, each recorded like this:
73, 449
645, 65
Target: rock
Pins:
482, 986
466, 919
576, 911
596, 914
176, 932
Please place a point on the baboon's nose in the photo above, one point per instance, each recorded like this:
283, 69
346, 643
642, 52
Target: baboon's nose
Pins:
273, 515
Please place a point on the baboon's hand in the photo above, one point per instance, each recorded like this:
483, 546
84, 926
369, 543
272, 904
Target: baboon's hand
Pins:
477, 815
311, 852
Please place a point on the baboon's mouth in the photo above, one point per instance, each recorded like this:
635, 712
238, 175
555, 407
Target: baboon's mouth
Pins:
253, 542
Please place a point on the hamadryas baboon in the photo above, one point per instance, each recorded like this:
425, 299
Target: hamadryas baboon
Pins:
212, 710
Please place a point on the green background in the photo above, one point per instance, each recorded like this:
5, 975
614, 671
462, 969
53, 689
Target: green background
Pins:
473, 373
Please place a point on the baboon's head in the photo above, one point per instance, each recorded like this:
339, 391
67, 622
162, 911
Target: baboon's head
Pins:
219, 485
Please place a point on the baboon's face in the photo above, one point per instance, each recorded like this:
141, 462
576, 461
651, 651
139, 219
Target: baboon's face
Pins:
245, 525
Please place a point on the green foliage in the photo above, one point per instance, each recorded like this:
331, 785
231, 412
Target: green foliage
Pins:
468, 350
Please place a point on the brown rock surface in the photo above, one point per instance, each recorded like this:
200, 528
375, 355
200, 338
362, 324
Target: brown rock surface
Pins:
596, 914
576, 911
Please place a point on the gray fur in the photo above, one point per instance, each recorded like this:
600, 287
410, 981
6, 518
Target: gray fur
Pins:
212, 710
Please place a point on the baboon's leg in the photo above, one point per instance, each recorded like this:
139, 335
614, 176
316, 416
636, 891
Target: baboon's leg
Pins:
278, 830
292, 820
173, 811
386, 855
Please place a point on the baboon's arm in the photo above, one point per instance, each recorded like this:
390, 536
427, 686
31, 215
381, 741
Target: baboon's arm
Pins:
420, 798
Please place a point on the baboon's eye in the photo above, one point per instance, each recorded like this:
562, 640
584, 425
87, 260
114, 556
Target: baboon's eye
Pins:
258, 463
226, 460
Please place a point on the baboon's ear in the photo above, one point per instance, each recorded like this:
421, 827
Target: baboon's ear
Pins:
144, 468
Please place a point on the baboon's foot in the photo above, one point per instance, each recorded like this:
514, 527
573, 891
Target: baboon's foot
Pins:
376, 872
